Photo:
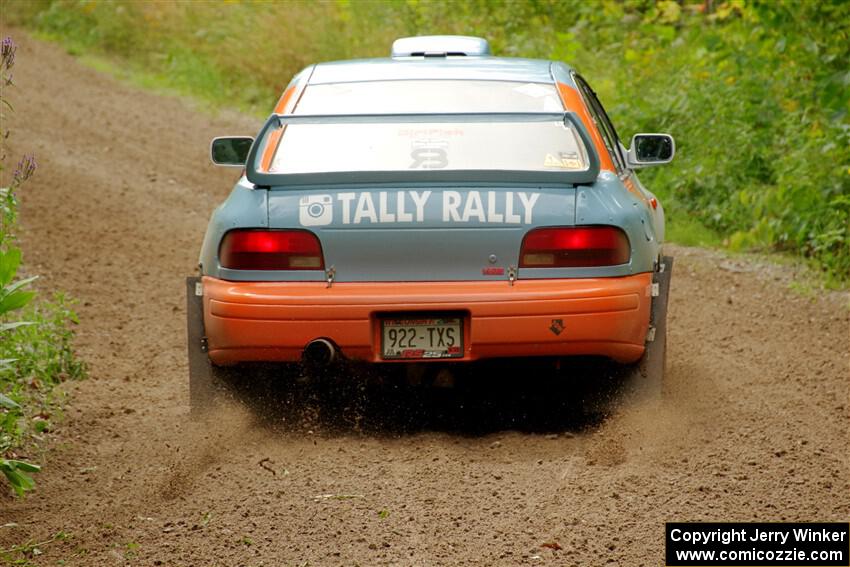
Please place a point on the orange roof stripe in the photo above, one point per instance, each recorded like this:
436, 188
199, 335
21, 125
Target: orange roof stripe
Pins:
572, 101
274, 137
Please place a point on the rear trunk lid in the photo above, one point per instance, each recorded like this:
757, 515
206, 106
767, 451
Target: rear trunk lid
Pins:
422, 233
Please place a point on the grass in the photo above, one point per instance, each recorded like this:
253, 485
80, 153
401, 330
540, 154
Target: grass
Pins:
190, 79
44, 358
688, 231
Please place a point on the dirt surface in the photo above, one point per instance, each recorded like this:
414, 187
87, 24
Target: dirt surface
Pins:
755, 424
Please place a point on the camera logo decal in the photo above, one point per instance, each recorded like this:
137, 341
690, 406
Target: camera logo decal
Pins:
315, 210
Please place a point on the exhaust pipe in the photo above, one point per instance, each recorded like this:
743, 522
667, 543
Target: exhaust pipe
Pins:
319, 353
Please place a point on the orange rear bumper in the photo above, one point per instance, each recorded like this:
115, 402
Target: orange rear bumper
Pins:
274, 321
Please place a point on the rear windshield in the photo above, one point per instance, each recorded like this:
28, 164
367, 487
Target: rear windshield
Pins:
432, 144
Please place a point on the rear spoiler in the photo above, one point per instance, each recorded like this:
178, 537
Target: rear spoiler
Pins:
275, 121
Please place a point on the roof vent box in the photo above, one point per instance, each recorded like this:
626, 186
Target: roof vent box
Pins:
440, 46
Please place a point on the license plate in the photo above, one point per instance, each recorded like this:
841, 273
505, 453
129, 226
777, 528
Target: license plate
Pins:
434, 337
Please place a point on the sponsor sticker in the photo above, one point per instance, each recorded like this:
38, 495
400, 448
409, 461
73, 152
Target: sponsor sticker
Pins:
392, 207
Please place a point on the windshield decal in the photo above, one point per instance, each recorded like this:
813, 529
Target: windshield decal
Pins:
429, 154
565, 160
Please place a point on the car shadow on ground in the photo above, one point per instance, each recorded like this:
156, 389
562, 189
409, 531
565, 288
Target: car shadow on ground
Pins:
522, 395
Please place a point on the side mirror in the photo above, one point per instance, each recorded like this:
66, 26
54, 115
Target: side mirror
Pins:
651, 149
230, 150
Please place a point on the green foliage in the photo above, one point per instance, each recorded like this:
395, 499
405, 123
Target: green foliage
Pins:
44, 348
756, 95
12, 294
755, 91
16, 472
36, 357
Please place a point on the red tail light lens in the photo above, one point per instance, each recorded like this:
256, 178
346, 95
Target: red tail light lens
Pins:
256, 249
577, 247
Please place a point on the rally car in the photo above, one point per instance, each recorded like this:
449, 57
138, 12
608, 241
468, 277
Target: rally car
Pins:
440, 206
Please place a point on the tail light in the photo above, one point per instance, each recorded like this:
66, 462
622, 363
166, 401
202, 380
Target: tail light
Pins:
576, 247
257, 249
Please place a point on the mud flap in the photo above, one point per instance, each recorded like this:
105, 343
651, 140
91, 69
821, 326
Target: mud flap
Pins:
647, 375
202, 388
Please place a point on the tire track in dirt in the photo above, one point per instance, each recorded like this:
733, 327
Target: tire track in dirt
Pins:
754, 425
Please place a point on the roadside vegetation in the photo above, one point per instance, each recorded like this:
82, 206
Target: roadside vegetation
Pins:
35, 335
755, 91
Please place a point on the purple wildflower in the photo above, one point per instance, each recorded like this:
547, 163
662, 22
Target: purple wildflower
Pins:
26, 168
7, 53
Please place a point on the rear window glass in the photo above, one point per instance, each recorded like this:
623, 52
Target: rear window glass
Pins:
518, 146
448, 145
